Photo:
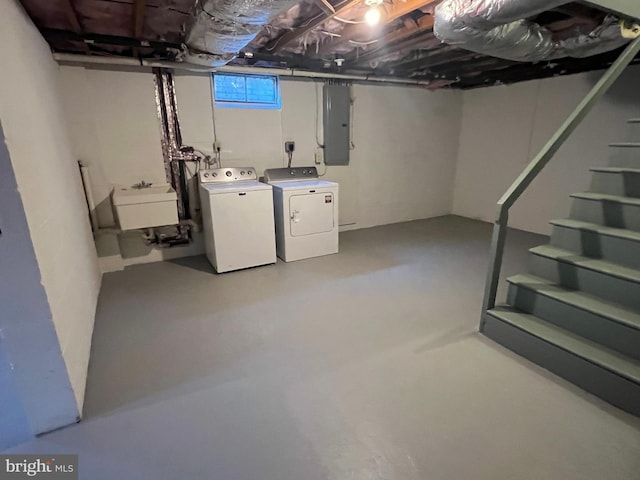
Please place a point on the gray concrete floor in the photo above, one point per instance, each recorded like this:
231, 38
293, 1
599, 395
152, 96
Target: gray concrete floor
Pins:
361, 365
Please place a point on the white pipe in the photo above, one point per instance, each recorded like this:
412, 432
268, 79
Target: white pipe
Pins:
283, 72
88, 192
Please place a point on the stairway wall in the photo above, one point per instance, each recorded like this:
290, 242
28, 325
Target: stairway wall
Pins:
503, 127
65, 281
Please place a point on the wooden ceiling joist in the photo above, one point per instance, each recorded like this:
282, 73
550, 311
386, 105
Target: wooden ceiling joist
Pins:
389, 42
325, 6
72, 16
397, 10
138, 17
309, 25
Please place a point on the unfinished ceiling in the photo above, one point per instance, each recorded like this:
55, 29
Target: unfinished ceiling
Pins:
317, 35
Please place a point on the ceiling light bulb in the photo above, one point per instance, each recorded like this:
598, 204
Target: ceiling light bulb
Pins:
372, 17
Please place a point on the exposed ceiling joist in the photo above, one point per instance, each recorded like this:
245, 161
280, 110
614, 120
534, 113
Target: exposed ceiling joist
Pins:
55, 36
72, 16
325, 6
138, 17
403, 47
310, 24
397, 10
385, 44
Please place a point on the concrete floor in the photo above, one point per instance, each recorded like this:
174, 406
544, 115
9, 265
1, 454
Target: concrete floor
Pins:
362, 365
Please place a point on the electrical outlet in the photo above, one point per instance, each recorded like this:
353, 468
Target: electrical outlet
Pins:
318, 157
217, 145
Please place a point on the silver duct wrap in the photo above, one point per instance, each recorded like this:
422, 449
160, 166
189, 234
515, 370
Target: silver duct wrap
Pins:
499, 28
221, 28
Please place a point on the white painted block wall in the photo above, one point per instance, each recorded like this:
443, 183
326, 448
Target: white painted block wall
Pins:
504, 127
408, 141
50, 188
402, 167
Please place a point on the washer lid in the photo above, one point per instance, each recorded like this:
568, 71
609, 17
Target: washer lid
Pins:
231, 187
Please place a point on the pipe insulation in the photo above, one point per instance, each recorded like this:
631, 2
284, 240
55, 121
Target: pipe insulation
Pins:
500, 28
219, 29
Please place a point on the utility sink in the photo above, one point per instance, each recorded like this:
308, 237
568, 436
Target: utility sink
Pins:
146, 207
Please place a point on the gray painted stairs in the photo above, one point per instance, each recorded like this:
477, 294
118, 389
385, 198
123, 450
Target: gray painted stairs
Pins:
577, 312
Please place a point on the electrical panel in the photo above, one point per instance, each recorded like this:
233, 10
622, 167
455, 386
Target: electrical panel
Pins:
336, 124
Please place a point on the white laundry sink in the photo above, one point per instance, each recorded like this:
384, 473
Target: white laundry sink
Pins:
147, 207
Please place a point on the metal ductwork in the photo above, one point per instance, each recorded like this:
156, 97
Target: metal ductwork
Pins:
500, 28
219, 29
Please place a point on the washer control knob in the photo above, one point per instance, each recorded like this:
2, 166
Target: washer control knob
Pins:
214, 174
292, 172
206, 175
228, 174
242, 172
249, 172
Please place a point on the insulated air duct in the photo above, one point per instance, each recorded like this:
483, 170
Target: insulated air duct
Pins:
219, 29
499, 28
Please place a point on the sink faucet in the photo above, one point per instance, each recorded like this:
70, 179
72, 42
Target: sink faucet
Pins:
142, 184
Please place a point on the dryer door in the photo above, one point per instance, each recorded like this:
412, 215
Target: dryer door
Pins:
311, 213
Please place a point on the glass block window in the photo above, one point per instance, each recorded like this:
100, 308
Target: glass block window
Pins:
246, 91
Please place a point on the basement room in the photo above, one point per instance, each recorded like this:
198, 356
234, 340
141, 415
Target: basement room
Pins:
320, 239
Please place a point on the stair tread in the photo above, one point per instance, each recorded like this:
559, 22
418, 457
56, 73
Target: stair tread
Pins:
615, 169
573, 258
579, 299
605, 196
597, 228
570, 342
625, 144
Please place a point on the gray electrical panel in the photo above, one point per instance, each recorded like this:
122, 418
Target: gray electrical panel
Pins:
337, 124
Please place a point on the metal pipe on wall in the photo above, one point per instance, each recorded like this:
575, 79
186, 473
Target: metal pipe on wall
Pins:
174, 155
72, 58
88, 193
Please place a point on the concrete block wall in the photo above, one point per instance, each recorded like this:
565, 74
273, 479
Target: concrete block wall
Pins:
34, 370
48, 264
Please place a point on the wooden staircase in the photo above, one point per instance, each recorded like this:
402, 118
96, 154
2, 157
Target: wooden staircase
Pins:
577, 312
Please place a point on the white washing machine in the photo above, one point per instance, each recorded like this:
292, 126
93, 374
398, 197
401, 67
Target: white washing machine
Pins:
237, 215
306, 212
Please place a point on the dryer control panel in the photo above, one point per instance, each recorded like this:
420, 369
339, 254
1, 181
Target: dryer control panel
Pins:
226, 175
294, 173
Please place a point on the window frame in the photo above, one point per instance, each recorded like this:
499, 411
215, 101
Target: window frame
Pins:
277, 105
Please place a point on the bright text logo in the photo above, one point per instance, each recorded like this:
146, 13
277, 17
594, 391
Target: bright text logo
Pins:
51, 467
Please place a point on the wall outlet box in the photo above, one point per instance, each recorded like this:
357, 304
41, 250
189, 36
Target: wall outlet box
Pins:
318, 157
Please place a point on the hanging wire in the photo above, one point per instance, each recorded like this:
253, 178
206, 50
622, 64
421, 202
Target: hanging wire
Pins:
351, 22
363, 44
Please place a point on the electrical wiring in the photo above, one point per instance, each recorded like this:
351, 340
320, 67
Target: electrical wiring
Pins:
352, 109
213, 112
363, 44
350, 22
320, 145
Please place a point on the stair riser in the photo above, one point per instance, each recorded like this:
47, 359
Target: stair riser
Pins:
594, 327
611, 214
624, 157
604, 286
624, 184
590, 244
614, 389
632, 132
